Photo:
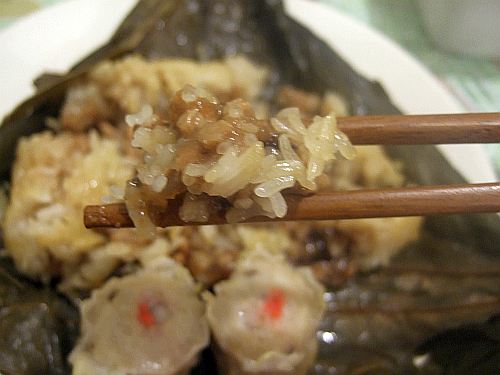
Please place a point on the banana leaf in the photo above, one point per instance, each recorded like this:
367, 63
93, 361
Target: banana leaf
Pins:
376, 321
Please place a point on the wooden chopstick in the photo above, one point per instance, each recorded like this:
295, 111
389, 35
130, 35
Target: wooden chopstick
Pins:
422, 129
408, 201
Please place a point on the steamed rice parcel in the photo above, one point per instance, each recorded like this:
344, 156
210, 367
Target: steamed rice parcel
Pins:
145, 132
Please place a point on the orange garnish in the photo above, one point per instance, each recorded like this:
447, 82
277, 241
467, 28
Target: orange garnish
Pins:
144, 315
274, 303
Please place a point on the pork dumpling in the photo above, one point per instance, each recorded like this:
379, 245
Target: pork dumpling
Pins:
152, 322
264, 318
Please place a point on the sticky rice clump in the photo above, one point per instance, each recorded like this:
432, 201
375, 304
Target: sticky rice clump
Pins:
54, 177
220, 155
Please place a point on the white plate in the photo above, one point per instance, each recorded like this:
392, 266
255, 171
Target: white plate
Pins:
57, 37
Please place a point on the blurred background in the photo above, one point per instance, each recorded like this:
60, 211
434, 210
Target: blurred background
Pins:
457, 40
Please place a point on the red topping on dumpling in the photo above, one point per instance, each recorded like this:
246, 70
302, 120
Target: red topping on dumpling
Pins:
145, 314
274, 303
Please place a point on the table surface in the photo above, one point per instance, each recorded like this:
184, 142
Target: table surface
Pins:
474, 81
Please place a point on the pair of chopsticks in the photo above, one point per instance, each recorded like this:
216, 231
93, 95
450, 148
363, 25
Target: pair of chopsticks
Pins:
366, 130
